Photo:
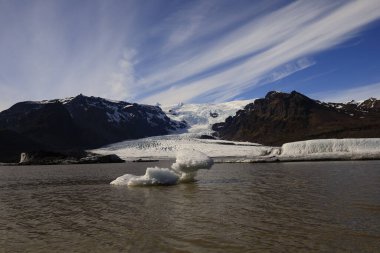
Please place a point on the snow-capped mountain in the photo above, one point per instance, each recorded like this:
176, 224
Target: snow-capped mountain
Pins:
135, 131
286, 117
80, 122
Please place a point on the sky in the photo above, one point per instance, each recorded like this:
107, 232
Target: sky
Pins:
192, 51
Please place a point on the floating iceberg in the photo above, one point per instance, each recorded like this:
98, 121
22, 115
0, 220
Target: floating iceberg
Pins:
185, 168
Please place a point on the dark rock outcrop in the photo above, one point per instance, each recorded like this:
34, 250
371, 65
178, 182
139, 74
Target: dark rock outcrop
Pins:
77, 123
206, 137
282, 117
13, 144
72, 157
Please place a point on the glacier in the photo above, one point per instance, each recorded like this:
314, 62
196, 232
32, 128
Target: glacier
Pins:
200, 118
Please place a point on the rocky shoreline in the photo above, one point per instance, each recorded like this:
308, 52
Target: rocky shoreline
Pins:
63, 158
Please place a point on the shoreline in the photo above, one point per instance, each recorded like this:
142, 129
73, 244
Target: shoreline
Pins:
216, 160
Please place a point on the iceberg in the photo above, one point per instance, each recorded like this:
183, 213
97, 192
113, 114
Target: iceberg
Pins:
185, 168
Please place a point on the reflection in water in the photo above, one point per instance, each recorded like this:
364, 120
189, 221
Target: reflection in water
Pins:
312, 207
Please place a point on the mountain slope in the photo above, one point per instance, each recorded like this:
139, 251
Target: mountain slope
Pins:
112, 121
281, 117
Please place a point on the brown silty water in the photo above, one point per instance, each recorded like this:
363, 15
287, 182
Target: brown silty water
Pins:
310, 207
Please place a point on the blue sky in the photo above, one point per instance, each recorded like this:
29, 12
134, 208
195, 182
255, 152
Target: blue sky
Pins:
172, 51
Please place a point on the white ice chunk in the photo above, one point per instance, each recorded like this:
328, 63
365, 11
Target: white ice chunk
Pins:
183, 170
188, 162
191, 161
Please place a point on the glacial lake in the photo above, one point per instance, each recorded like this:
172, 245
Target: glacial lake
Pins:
277, 207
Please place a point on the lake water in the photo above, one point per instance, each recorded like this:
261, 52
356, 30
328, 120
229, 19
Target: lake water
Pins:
279, 207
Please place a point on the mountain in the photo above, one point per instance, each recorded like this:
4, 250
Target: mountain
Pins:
79, 122
285, 117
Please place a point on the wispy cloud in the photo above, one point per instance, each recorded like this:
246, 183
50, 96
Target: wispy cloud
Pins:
166, 51
253, 37
293, 32
50, 49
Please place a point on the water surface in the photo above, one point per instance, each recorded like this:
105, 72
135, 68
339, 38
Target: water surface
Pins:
310, 207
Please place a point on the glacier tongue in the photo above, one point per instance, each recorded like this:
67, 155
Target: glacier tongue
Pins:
166, 147
199, 118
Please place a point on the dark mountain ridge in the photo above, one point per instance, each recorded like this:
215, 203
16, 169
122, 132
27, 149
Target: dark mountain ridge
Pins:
75, 123
285, 117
